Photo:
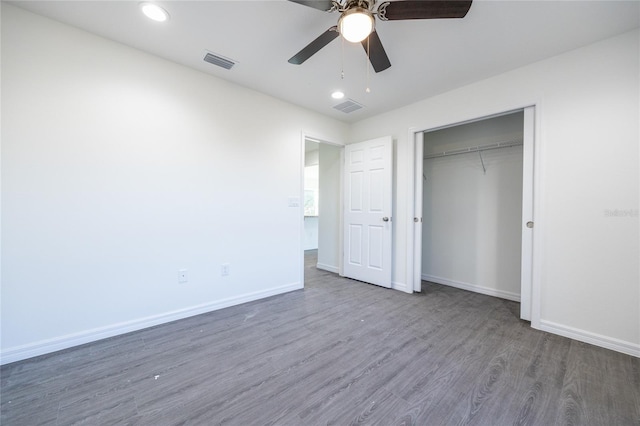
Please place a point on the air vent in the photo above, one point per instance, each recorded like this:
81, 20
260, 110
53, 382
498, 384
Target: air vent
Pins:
219, 61
348, 106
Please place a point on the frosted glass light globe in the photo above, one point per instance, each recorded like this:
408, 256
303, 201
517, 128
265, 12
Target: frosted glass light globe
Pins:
355, 24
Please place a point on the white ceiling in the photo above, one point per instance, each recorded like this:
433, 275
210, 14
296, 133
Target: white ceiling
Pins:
427, 56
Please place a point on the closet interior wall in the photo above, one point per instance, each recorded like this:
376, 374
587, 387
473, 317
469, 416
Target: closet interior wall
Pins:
472, 206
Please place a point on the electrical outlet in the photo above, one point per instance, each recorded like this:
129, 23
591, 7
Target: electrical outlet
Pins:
182, 276
224, 269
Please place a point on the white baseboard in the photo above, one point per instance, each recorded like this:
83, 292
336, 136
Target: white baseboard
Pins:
63, 342
472, 287
329, 268
606, 342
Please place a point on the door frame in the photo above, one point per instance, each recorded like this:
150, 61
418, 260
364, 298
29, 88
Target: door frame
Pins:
304, 137
414, 200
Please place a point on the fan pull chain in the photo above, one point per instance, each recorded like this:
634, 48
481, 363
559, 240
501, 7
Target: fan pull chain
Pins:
368, 90
342, 60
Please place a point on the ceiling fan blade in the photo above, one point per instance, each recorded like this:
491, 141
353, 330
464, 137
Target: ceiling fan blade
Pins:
378, 57
429, 9
324, 5
313, 47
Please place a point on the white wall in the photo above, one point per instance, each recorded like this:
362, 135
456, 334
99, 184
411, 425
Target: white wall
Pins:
311, 158
119, 169
587, 121
472, 215
329, 238
312, 154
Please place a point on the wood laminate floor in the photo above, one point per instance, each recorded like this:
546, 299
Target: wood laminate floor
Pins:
339, 352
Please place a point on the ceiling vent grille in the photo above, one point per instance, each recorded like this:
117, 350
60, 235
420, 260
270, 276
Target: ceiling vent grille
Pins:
219, 61
348, 106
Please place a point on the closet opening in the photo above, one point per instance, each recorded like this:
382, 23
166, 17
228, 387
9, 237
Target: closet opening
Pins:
473, 194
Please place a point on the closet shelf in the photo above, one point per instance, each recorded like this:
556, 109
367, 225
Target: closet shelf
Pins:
474, 149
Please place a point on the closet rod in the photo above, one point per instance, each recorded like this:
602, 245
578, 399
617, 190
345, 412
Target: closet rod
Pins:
475, 149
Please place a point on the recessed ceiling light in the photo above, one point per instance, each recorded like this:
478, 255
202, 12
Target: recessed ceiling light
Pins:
337, 95
155, 12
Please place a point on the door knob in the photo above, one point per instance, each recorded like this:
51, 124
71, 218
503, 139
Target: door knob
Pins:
385, 219
529, 224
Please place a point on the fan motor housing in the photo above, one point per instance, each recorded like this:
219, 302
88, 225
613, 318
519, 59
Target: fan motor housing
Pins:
364, 4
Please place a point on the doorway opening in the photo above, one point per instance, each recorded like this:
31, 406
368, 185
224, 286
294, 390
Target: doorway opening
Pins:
321, 205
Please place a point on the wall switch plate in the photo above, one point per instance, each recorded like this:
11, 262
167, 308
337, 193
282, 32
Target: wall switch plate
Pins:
182, 276
224, 269
294, 202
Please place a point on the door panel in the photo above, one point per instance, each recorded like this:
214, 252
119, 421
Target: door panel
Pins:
376, 203
355, 243
368, 187
356, 191
376, 244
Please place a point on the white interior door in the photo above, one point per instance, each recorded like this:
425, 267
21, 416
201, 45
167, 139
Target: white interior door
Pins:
416, 230
368, 206
526, 275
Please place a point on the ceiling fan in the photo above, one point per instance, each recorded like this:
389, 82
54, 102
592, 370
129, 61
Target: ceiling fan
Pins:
357, 22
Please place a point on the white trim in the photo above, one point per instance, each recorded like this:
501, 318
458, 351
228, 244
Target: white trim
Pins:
411, 206
472, 287
401, 286
476, 118
63, 342
606, 342
329, 268
538, 266
303, 159
341, 216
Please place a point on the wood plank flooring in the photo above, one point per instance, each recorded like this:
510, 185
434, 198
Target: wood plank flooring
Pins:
339, 352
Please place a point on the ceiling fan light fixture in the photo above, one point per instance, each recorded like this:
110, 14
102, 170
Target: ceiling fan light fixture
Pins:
154, 12
356, 24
